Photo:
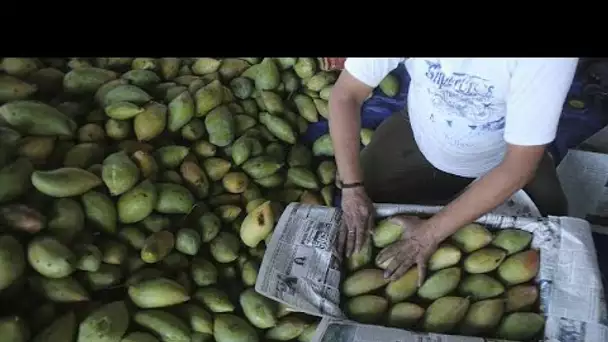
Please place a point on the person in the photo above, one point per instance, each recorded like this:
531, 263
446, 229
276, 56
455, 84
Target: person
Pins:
475, 132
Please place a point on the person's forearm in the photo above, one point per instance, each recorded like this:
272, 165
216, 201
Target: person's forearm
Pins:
480, 198
344, 127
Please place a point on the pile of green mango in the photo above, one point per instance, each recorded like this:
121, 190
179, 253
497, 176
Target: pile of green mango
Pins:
478, 283
137, 194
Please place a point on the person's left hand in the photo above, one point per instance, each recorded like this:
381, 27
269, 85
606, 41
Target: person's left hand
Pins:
416, 247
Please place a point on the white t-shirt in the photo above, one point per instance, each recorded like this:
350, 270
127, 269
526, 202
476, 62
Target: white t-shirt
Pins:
464, 111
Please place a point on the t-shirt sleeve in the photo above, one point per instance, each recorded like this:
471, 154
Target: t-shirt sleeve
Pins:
537, 92
371, 71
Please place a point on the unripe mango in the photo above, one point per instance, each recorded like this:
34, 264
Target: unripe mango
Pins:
472, 237
481, 286
483, 317
440, 283
520, 326
512, 240
444, 314
484, 260
405, 315
520, 268
363, 281
367, 308
445, 256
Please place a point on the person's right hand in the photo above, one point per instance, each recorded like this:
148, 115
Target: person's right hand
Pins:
358, 217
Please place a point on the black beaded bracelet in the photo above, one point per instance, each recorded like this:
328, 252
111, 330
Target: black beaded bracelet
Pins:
351, 185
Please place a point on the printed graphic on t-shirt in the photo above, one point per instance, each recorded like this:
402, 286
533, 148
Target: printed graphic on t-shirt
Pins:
466, 98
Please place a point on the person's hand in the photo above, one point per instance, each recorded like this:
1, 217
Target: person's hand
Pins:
416, 247
358, 216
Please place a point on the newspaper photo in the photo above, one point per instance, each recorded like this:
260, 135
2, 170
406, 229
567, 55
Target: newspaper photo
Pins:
584, 178
301, 269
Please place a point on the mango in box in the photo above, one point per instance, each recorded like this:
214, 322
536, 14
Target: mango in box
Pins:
405, 315
363, 281
520, 268
445, 314
471, 237
367, 309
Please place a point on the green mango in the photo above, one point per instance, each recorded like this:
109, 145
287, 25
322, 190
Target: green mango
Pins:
157, 293
165, 325
171, 156
259, 310
267, 75
137, 203
173, 199
471, 237
231, 328
480, 287
64, 182
118, 129
102, 91
405, 315
119, 173
86, 80
305, 67
483, 317
15, 179
320, 80
124, 93
105, 324
151, 122
287, 328
193, 130
105, 277
62, 290
520, 267
37, 118
363, 281
445, 314
390, 85
122, 110
520, 326
260, 167
323, 146
88, 257
215, 299
12, 261
100, 211
232, 67
367, 309
440, 283
204, 66
141, 77
181, 111
169, 67
50, 257
445, 256
19, 67
14, 329
220, 126
302, 177
224, 248
512, 240
188, 241
14, 89
306, 107
484, 260
209, 97
278, 127
241, 87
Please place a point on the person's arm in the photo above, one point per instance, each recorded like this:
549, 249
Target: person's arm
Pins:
358, 79
356, 82
538, 90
